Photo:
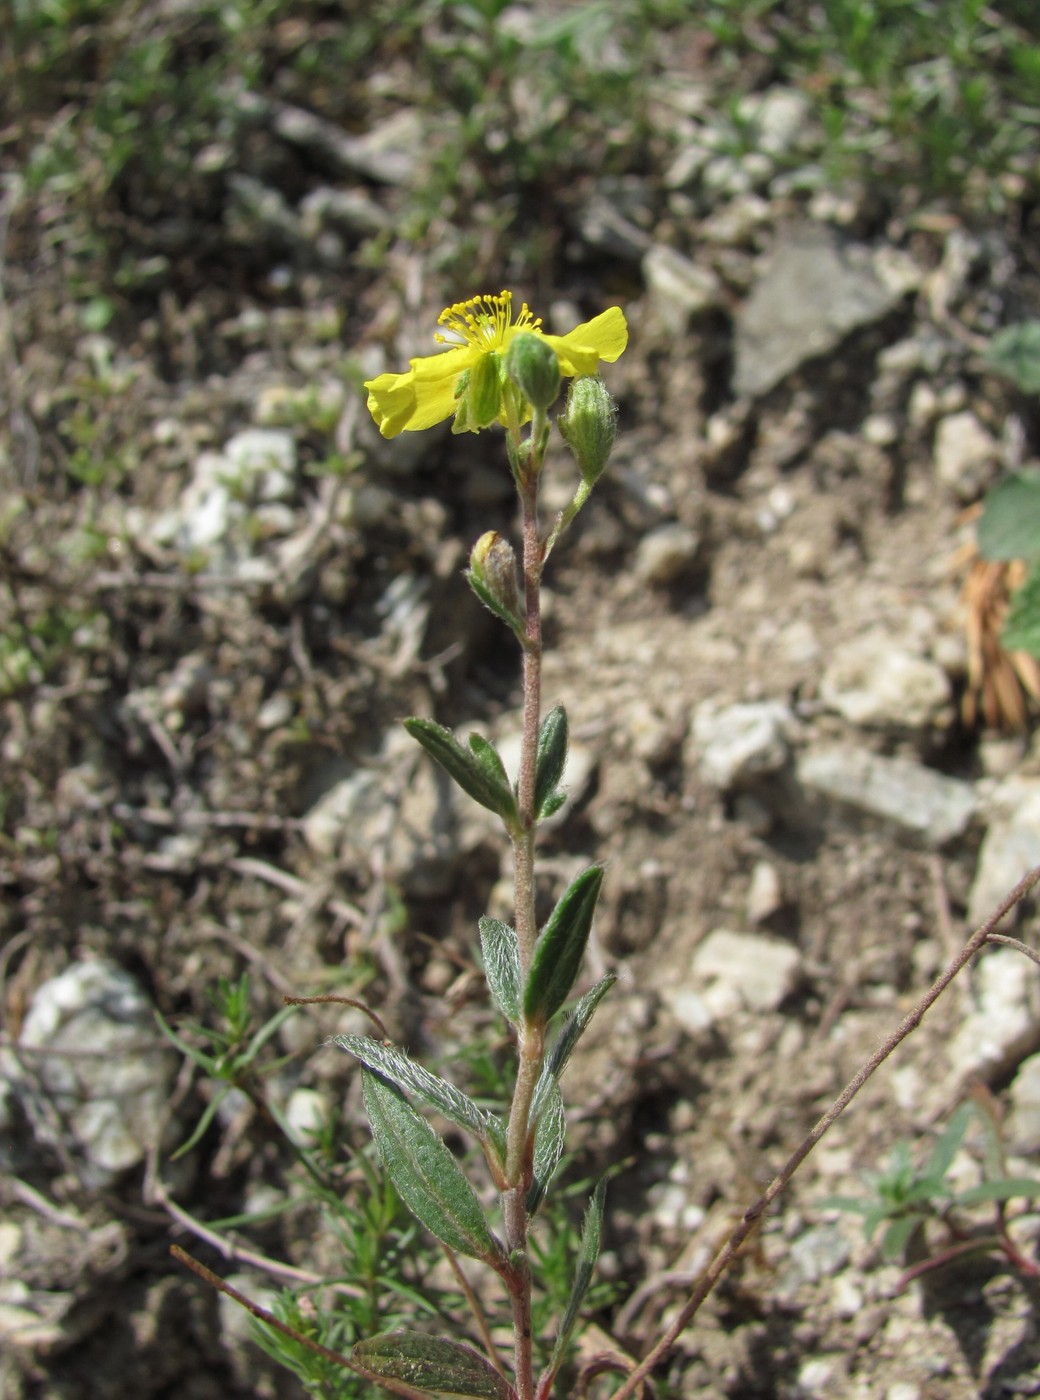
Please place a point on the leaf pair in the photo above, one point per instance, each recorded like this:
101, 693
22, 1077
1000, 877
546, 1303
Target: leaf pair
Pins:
479, 771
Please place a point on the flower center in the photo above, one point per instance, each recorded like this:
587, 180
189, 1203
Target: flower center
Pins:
484, 323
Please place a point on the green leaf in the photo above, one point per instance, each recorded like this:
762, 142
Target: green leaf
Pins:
940, 1159
591, 1236
1022, 627
489, 759
1009, 526
1007, 1189
465, 767
501, 965
572, 1030
561, 947
550, 762
1015, 353
434, 1363
898, 1235
437, 1093
424, 1173
548, 1147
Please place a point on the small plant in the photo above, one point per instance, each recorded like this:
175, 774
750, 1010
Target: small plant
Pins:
499, 368
907, 1200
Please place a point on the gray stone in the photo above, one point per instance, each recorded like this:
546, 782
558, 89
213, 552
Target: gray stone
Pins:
1010, 848
779, 119
1003, 1015
677, 289
926, 805
734, 744
261, 464
1023, 1123
732, 971
89, 1043
665, 554
875, 681
811, 294
966, 455
765, 893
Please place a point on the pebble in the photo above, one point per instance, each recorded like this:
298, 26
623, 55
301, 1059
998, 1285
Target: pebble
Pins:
1003, 1016
665, 554
1023, 1122
745, 970
966, 455
677, 289
875, 682
735, 744
765, 892
1010, 848
102, 1065
927, 805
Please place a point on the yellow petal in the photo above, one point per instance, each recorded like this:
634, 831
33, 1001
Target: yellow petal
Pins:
423, 396
602, 338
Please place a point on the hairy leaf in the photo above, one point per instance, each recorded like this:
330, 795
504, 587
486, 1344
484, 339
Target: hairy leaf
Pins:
572, 1030
437, 1093
1009, 526
591, 1236
501, 965
548, 1147
550, 762
465, 767
425, 1174
434, 1363
561, 947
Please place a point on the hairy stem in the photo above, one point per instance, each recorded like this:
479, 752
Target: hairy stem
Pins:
531, 1038
750, 1218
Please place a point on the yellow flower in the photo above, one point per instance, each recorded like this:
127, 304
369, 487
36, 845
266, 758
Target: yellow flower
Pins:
478, 330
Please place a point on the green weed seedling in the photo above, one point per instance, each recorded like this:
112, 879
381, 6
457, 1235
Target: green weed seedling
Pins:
1009, 529
906, 1200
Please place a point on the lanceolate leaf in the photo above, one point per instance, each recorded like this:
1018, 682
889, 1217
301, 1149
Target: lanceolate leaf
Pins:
561, 947
548, 1147
591, 1235
424, 1172
550, 761
1022, 627
434, 1363
489, 759
501, 965
462, 764
437, 1093
574, 1027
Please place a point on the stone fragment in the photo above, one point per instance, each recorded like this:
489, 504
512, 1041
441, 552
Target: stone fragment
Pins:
1010, 848
875, 681
91, 1039
966, 455
735, 744
733, 970
811, 294
927, 805
779, 119
765, 893
677, 289
1023, 1122
665, 554
1003, 1018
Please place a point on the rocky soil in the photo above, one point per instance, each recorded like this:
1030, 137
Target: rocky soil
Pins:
756, 629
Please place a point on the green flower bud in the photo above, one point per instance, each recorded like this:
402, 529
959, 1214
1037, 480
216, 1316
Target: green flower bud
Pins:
589, 425
479, 395
493, 576
534, 367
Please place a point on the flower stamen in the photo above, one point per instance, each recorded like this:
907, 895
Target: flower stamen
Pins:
482, 322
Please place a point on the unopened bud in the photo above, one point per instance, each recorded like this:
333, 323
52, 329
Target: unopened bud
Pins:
534, 368
493, 577
589, 425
